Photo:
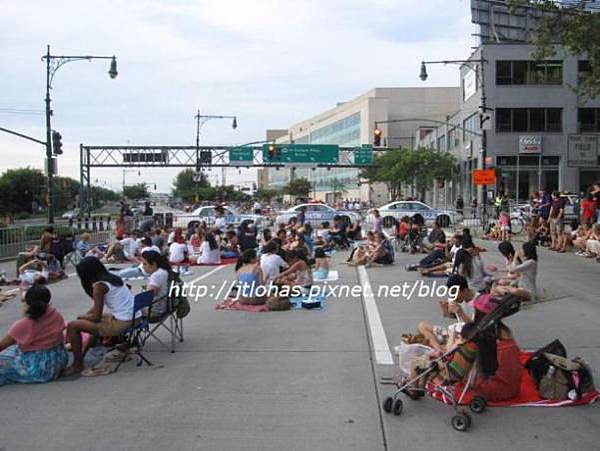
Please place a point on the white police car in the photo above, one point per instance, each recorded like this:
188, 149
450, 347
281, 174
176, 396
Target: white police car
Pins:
316, 214
393, 211
207, 213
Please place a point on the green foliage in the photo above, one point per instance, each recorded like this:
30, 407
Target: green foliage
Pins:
185, 188
266, 194
20, 188
419, 167
137, 191
575, 29
299, 187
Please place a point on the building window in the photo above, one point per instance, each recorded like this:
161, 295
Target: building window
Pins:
528, 120
470, 127
529, 73
588, 120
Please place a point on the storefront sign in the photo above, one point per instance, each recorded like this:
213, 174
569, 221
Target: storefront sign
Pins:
583, 151
484, 176
529, 144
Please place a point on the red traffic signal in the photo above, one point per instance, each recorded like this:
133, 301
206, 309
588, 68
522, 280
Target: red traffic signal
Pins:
377, 137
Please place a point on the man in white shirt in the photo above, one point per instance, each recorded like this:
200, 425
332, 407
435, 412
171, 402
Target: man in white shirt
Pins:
271, 263
257, 208
130, 247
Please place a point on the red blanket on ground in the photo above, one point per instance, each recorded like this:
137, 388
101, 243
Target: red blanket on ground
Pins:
528, 396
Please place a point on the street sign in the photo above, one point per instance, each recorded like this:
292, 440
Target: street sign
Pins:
582, 151
363, 155
484, 176
530, 144
197, 177
302, 153
241, 155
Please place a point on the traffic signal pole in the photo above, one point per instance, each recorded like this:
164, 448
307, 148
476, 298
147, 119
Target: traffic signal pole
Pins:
49, 162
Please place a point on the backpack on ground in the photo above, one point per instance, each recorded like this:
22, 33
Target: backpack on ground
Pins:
180, 303
538, 364
566, 378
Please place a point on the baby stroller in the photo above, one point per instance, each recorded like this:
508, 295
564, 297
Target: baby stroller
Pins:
453, 394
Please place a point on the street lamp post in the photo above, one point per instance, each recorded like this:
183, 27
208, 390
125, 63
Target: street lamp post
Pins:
474, 64
53, 63
202, 119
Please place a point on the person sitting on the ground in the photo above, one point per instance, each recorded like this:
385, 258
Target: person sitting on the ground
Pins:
48, 235
55, 271
323, 234
270, 262
33, 351
157, 239
249, 277
381, 253
210, 254
402, 228
445, 268
358, 255
159, 270
34, 271
472, 266
115, 253
299, 273
321, 264
229, 248
565, 238
526, 284
266, 237
355, 231
338, 235
306, 232
247, 234
196, 241
130, 247
146, 245
582, 234
436, 238
83, 246
505, 383
592, 246
457, 308
178, 255
110, 315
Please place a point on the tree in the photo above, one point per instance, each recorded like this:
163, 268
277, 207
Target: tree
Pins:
418, 167
185, 188
137, 191
22, 189
266, 194
571, 26
66, 191
299, 187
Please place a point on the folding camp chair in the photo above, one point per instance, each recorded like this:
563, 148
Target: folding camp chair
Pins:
168, 321
137, 333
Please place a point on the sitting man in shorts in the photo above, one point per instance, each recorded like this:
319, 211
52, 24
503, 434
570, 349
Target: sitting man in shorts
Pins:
441, 338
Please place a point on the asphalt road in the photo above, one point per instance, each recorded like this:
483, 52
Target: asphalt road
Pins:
301, 380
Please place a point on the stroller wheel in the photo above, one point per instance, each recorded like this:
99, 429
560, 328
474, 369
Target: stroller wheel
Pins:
387, 405
398, 406
477, 404
461, 422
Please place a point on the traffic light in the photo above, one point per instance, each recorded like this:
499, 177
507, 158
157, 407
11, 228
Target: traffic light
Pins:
56, 143
272, 151
377, 137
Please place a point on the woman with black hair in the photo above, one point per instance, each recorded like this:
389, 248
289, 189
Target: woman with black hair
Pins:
108, 291
210, 254
525, 266
33, 350
159, 269
299, 273
249, 277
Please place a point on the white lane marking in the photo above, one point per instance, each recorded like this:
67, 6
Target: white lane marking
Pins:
209, 273
381, 348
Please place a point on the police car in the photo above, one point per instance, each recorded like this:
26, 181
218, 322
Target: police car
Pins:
393, 211
316, 214
207, 214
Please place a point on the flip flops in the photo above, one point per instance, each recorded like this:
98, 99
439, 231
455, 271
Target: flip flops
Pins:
101, 370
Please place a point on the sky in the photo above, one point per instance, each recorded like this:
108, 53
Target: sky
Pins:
270, 63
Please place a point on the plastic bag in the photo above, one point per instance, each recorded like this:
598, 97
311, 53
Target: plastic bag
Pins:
407, 352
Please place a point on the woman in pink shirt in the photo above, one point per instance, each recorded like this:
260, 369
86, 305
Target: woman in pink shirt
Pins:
33, 351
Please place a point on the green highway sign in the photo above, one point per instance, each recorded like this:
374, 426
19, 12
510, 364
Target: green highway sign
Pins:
241, 155
363, 155
301, 153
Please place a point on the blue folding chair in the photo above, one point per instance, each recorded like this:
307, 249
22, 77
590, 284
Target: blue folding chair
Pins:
136, 334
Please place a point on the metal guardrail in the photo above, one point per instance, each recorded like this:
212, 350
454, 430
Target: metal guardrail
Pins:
17, 239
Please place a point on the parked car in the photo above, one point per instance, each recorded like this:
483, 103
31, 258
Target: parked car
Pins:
392, 212
317, 213
207, 213
71, 214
